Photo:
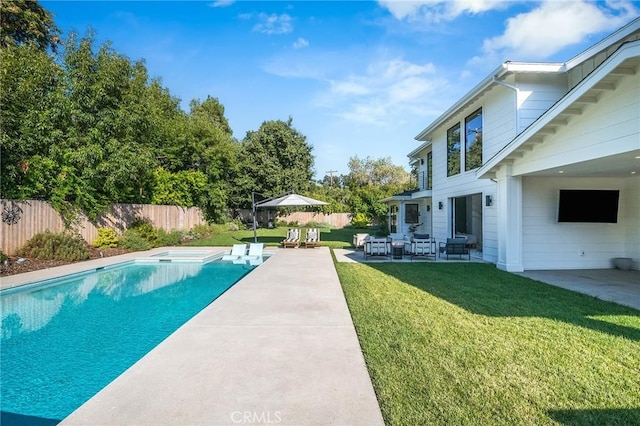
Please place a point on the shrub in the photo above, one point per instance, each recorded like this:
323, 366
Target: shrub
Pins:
51, 246
313, 224
201, 231
133, 241
360, 221
165, 238
145, 229
107, 238
3, 257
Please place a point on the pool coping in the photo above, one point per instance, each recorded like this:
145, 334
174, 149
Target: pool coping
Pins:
277, 347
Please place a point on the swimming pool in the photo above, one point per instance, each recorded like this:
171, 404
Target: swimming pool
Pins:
65, 339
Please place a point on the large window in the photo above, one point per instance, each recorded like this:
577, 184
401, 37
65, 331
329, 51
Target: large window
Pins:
453, 150
473, 141
410, 213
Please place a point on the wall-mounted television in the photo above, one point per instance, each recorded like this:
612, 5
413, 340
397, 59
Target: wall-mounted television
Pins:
588, 205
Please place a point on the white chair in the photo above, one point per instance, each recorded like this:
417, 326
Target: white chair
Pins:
255, 251
359, 240
423, 247
237, 251
313, 238
377, 247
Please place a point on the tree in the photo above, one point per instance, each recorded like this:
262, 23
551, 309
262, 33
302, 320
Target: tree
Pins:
25, 21
275, 159
370, 181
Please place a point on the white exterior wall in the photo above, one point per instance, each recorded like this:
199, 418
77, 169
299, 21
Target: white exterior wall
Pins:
536, 94
548, 244
612, 126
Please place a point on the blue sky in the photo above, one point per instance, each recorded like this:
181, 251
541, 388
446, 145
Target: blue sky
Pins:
359, 78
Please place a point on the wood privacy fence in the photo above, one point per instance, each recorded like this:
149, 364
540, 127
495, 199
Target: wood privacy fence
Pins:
33, 216
23, 219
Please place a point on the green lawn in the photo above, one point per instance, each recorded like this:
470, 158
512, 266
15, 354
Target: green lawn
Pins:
334, 238
468, 344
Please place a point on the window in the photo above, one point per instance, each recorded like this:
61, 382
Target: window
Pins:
473, 141
453, 150
410, 213
429, 170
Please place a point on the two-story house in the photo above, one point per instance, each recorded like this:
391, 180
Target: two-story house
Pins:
539, 164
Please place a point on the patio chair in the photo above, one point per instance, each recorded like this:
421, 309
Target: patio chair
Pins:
237, 251
313, 238
359, 240
455, 246
377, 247
293, 238
423, 247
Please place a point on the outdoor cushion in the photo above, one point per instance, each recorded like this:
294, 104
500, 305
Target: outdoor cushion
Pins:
421, 236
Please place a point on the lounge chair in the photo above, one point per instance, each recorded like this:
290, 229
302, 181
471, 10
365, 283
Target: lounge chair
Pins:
237, 251
255, 251
313, 238
293, 238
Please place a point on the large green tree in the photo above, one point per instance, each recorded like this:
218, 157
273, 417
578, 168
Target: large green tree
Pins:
274, 159
26, 21
370, 180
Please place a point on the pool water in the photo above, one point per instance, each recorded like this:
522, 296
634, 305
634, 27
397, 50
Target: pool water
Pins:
65, 340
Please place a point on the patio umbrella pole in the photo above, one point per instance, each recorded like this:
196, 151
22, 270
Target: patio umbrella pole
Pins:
253, 210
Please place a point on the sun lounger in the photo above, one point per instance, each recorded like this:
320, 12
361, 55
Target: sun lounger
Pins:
313, 238
293, 238
255, 251
237, 251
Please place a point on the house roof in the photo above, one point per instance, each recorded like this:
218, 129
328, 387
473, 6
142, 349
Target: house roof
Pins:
625, 61
402, 196
525, 67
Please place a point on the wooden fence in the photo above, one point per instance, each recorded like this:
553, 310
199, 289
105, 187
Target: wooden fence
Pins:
23, 219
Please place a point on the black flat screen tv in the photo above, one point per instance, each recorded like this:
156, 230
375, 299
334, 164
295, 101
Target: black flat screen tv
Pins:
588, 205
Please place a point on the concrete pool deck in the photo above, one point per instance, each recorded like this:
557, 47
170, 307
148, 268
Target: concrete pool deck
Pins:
279, 347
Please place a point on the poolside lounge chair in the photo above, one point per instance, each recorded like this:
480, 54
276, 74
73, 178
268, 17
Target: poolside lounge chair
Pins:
313, 238
255, 251
237, 251
293, 238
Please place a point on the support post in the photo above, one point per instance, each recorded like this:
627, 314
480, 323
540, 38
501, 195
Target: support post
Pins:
255, 220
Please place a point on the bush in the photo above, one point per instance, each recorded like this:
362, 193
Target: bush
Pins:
107, 238
133, 241
3, 257
145, 229
313, 224
360, 221
165, 238
50, 246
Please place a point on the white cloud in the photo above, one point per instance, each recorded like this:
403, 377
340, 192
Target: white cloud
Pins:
438, 10
300, 43
274, 24
553, 26
385, 93
222, 3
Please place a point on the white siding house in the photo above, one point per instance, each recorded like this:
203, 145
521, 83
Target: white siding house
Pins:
544, 131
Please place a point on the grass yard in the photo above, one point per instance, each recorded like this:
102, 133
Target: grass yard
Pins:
334, 238
467, 344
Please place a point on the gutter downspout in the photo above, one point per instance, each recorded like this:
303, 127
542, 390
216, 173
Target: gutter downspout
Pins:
517, 92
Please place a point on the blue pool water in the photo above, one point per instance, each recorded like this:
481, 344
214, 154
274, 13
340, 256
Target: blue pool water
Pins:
64, 341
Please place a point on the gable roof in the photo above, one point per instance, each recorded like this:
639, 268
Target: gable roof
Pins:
625, 61
527, 67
